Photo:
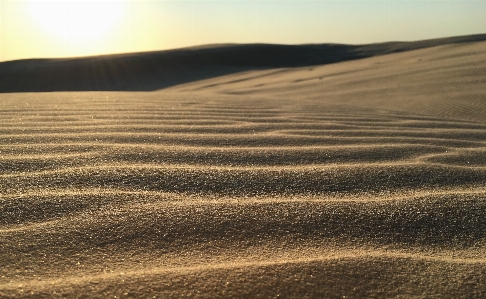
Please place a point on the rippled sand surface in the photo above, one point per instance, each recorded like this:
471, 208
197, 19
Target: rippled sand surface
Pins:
350, 180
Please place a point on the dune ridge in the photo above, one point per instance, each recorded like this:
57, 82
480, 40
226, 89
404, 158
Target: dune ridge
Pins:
358, 179
157, 70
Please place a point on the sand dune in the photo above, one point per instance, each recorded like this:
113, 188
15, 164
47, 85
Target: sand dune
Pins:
357, 179
156, 70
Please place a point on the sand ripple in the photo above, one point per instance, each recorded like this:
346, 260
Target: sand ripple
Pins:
212, 195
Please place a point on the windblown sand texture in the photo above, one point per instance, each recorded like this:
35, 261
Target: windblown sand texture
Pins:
357, 179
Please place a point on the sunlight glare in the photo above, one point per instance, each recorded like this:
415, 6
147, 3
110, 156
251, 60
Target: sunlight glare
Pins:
77, 23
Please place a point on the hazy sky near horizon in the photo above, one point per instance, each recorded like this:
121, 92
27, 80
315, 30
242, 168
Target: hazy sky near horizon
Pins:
44, 29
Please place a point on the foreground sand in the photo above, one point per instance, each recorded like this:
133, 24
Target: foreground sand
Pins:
351, 180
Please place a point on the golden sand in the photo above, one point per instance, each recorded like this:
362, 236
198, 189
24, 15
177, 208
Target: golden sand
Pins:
357, 179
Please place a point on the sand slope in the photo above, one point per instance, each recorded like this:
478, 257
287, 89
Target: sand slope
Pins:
150, 71
359, 179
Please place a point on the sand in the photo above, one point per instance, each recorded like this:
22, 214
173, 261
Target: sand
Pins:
357, 179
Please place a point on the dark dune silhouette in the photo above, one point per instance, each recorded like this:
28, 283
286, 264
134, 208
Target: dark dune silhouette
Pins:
156, 70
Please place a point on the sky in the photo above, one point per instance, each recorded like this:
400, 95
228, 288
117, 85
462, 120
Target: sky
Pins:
47, 29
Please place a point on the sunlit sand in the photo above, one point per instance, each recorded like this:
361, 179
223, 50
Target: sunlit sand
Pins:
360, 178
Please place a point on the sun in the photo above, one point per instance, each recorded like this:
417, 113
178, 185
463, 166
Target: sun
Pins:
77, 23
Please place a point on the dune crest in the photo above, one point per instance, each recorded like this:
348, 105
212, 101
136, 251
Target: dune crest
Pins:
150, 71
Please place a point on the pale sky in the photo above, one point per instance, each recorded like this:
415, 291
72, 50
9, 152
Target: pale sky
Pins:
46, 29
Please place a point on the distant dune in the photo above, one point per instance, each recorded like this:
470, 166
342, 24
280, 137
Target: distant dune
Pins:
357, 179
156, 70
